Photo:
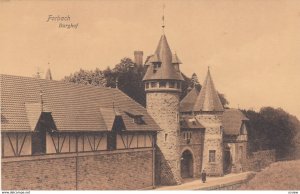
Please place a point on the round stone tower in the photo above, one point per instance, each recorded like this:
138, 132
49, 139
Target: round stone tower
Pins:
163, 87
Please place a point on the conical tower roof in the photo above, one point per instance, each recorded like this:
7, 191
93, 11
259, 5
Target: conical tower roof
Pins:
188, 102
208, 98
162, 55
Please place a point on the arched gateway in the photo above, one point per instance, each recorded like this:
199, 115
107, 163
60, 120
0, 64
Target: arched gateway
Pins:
187, 164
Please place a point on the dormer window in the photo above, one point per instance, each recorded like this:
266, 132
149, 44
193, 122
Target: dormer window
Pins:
138, 120
156, 65
137, 117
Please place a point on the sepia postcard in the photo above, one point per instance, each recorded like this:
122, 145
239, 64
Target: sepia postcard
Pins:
150, 95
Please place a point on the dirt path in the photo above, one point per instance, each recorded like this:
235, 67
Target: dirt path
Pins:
212, 182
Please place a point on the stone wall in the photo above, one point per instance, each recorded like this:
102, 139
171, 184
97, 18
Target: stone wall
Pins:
213, 140
195, 146
120, 169
258, 160
164, 109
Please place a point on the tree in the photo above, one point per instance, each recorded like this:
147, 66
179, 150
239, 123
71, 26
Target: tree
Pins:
195, 82
86, 77
130, 79
128, 74
272, 129
223, 100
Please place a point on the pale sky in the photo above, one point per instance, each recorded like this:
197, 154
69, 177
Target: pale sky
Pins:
252, 47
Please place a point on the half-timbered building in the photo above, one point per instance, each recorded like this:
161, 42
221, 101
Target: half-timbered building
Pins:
43, 119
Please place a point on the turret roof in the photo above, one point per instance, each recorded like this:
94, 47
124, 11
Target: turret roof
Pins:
188, 102
208, 98
163, 55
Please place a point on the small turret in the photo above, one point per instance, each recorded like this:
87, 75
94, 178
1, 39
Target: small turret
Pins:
208, 110
48, 75
176, 61
163, 72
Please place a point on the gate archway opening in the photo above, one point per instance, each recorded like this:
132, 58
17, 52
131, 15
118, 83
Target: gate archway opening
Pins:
187, 164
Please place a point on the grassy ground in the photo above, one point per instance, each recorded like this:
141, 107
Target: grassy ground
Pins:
283, 175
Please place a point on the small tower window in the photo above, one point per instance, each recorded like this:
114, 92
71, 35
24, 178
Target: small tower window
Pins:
171, 84
162, 84
166, 136
153, 84
212, 155
178, 85
147, 85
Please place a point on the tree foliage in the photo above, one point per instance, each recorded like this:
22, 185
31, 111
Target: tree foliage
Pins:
272, 129
87, 77
128, 75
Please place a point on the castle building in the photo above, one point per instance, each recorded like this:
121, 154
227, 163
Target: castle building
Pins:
197, 132
65, 136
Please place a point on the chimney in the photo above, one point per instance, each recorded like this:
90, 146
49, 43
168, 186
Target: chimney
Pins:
138, 57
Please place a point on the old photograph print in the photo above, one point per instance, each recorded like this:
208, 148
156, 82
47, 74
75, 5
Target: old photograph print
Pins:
150, 95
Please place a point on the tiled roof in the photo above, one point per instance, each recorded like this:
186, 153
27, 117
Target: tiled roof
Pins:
232, 120
73, 107
167, 71
33, 112
188, 102
208, 98
190, 122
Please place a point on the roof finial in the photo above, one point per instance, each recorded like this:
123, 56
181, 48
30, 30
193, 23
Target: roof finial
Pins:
117, 83
163, 19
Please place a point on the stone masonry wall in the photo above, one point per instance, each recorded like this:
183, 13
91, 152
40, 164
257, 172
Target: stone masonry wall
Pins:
196, 147
258, 160
164, 109
213, 140
120, 169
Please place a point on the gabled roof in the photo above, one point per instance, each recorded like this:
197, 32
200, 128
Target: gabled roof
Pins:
163, 55
208, 98
73, 107
188, 102
232, 121
190, 122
